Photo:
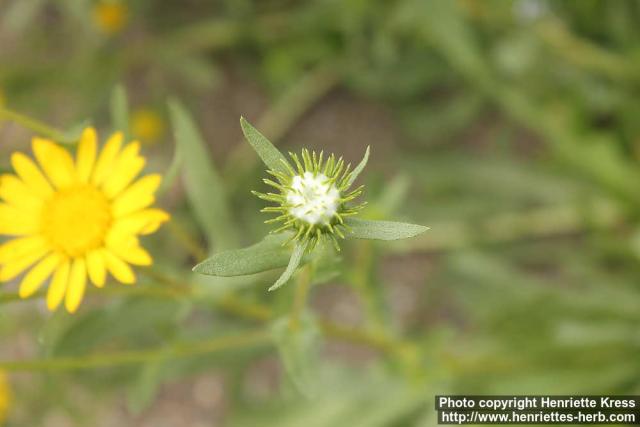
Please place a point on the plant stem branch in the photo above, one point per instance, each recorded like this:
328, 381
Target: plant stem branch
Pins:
261, 313
36, 126
187, 241
103, 360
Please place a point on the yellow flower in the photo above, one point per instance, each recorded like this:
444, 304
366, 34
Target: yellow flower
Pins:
147, 125
5, 397
76, 219
110, 17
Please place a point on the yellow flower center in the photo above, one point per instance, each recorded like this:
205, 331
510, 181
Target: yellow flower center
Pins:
76, 220
110, 17
147, 125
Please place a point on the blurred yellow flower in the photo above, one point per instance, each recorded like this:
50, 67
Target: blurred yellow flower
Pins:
110, 16
147, 125
5, 397
76, 219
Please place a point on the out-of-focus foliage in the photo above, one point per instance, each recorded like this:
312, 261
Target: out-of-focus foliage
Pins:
509, 127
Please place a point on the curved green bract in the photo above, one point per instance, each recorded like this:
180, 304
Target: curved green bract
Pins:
269, 154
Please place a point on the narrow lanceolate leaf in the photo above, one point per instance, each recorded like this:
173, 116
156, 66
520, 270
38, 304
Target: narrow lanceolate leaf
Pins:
120, 110
269, 154
382, 230
146, 384
294, 262
359, 168
299, 348
204, 186
265, 255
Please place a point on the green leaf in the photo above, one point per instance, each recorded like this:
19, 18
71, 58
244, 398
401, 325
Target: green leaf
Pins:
359, 168
146, 385
265, 255
294, 262
172, 172
99, 327
382, 230
120, 110
269, 154
298, 348
204, 186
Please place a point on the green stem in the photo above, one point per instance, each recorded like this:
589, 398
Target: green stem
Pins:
261, 313
364, 282
104, 360
36, 126
300, 297
187, 241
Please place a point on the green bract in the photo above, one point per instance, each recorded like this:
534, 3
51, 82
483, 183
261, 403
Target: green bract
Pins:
313, 198
314, 202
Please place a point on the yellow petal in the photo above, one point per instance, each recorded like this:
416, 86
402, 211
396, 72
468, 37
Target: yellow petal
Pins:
31, 175
76, 286
18, 222
38, 274
56, 162
126, 167
136, 197
16, 248
16, 193
136, 255
96, 268
58, 286
14, 268
86, 155
105, 161
130, 251
142, 222
119, 269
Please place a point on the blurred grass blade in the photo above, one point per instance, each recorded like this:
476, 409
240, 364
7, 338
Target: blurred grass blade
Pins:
269, 154
265, 255
294, 262
172, 172
120, 110
382, 230
298, 348
146, 385
359, 168
204, 187
444, 26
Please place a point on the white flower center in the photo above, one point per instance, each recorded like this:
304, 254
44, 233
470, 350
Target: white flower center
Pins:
313, 199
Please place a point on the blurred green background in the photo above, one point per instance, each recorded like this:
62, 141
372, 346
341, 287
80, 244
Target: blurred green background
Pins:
511, 128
